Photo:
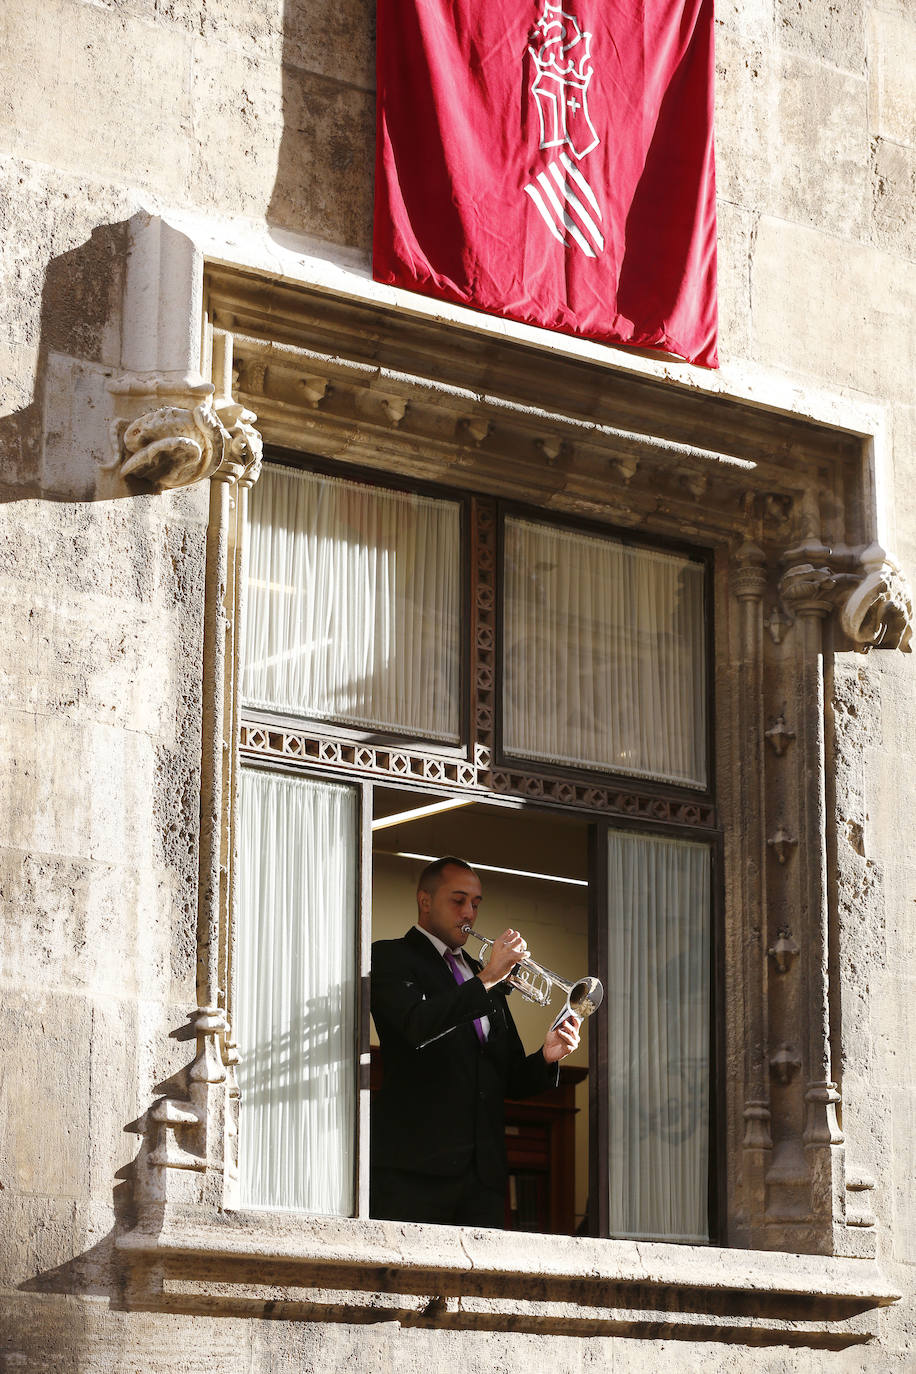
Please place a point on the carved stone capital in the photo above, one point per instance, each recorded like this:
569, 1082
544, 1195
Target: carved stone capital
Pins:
785, 1063
779, 736
807, 587
185, 438
749, 577
878, 612
782, 844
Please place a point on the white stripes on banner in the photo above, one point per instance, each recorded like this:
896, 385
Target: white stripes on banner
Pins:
567, 218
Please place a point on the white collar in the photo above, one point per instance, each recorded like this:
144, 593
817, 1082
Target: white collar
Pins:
440, 945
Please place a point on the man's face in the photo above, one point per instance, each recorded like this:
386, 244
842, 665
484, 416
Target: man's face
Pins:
453, 905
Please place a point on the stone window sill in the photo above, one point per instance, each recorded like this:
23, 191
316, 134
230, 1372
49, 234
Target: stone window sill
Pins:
332, 1269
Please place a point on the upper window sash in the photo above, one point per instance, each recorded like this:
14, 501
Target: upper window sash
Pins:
604, 654
354, 604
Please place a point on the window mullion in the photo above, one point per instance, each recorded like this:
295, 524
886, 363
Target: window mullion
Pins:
363, 957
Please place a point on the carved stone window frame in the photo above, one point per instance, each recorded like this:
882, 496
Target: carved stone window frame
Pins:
788, 503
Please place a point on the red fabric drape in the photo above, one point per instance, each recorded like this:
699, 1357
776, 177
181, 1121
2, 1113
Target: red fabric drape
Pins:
553, 164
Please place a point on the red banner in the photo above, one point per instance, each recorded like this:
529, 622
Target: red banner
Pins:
552, 163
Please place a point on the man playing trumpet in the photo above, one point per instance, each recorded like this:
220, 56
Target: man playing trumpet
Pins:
451, 1055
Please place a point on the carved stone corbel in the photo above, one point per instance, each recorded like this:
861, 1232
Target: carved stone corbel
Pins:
878, 612
175, 445
867, 587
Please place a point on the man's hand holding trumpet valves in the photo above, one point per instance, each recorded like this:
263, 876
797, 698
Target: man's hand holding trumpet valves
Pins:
508, 951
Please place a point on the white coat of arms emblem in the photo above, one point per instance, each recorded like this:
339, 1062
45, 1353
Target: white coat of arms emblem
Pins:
560, 51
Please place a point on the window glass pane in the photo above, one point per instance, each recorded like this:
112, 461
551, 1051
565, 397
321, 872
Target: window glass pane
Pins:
658, 1037
295, 994
604, 655
354, 604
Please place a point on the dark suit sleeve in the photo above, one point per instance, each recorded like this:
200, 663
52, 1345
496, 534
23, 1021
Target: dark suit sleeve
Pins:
420, 1017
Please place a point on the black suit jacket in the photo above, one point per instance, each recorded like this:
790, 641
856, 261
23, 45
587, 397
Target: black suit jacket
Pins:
440, 1109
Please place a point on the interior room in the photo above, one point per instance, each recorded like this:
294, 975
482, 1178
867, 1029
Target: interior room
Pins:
533, 865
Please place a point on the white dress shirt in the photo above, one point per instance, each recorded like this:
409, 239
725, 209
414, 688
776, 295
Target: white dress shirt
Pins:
463, 964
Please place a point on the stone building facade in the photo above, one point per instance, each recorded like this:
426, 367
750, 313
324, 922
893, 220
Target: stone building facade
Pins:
185, 277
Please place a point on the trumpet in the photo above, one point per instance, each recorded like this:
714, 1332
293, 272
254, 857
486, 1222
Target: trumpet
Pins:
536, 983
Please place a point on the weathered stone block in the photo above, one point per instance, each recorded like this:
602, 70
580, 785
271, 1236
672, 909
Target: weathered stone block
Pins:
336, 42
83, 926
745, 122
892, 75
72, 789
114, 1096
37, 1236
735, 249
44, 1092
238, 104
751, 20
902, 1241
893, 184
89, 659
833, 32
821, 310
822, 135
131, 93
255, 26
323, 185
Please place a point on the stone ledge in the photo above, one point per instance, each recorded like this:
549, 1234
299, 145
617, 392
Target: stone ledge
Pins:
330, 1269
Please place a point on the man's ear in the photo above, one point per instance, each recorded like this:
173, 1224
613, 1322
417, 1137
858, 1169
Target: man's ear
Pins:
423, 901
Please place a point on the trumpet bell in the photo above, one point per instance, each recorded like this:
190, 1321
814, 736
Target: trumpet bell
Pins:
585, 997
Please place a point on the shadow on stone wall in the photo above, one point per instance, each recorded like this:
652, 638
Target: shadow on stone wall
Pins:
324, 179
79, 341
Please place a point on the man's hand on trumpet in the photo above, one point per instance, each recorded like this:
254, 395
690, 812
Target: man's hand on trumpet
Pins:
562, 1041
508, 950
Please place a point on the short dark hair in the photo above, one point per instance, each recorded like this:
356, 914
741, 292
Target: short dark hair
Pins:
431, 876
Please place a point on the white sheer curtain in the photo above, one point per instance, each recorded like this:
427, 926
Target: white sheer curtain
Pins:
353, 604
295, 993
604, 659
658, 1027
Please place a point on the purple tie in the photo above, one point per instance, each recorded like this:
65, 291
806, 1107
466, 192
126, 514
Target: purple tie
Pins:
459, 976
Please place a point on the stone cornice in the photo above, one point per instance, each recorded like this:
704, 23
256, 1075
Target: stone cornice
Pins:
378, 388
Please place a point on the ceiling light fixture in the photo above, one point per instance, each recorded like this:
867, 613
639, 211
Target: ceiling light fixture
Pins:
514, 872
384, 822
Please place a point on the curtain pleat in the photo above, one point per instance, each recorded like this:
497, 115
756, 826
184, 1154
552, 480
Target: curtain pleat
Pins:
605, 656
658, 1037
353, 604
295, 994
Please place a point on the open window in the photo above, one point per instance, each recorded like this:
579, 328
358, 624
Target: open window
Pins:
360, 629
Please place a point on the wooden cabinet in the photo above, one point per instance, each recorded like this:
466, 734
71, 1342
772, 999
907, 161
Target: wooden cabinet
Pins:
541, 1153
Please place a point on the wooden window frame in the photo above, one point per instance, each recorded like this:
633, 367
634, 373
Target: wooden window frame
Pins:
481, 571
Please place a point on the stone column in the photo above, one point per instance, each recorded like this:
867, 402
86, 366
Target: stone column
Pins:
749, 582
808, 586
